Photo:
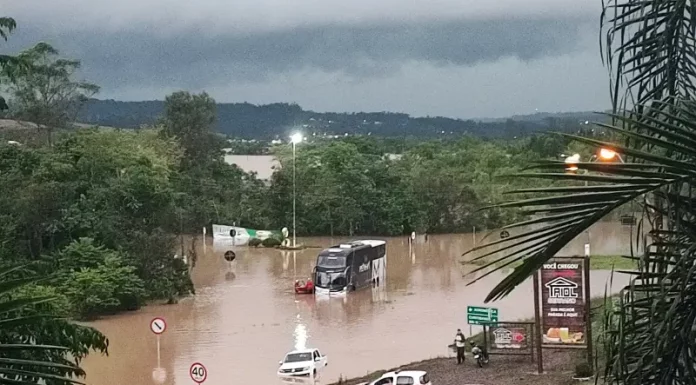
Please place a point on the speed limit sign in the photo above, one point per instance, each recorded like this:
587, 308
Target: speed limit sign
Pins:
198, 373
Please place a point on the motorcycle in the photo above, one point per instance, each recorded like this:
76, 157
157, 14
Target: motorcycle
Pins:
480, 355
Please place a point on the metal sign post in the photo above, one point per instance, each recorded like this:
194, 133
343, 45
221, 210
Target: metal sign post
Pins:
158, 326
479, 315
588, 313
205, 230
537, 325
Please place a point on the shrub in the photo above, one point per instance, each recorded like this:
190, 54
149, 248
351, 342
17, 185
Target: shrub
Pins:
254, 242
270, 242
97, 280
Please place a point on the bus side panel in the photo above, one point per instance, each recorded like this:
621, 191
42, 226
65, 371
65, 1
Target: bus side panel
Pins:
379, 264
361, 267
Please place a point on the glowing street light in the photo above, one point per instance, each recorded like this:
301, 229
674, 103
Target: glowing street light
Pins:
572, 162
607, 154
295, 139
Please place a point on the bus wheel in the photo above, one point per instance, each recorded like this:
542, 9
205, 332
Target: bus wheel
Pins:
351, 287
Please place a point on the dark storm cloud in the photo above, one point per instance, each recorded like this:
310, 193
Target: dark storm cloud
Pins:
195, 59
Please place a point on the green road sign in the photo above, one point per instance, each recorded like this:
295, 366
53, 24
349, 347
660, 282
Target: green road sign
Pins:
478, 315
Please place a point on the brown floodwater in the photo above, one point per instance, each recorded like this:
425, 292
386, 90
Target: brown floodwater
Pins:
245, 315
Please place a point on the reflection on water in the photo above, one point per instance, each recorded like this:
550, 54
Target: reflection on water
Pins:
300, 335
245, 315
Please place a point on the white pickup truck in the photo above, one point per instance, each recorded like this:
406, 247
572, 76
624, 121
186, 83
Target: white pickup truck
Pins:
305, 362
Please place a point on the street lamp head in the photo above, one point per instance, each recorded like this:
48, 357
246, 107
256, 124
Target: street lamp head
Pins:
296, 138
572, 159
571, 163
607, 154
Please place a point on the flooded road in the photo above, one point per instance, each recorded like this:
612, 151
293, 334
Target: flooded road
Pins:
245, 316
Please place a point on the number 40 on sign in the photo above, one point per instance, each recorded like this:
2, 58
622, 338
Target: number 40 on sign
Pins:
198, 373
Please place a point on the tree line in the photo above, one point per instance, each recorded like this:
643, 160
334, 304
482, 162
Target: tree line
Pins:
276, 120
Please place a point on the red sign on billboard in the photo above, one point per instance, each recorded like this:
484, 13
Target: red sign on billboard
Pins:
508, 336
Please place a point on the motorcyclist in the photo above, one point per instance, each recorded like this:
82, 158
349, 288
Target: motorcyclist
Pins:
484, 352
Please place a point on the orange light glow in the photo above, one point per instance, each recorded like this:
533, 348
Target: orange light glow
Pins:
607, 154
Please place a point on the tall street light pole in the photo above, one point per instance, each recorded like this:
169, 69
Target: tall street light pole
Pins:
295, 138
604, 154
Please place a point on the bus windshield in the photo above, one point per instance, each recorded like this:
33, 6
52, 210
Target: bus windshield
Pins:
331, 261
331, 280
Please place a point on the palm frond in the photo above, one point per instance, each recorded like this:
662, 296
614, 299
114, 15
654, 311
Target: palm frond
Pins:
649, 337
25, 358
7, 25
570, 210
649, 49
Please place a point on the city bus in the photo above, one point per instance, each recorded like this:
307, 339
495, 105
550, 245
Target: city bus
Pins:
350, 266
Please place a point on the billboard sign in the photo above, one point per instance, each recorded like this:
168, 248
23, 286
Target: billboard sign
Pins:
563, 299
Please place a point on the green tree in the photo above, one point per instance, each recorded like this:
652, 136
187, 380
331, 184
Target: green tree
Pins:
189, 118
44, 91
97, 280
7, 25
115, 187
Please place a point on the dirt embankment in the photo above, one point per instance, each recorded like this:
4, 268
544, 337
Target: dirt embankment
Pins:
559, 366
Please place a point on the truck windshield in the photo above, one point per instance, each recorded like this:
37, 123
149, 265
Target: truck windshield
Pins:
298, 357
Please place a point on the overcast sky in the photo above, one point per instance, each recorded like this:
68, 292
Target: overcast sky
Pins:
458, 58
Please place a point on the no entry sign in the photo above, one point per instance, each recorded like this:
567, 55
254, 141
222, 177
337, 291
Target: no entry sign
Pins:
158, 325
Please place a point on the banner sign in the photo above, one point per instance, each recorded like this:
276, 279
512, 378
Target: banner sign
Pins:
563, 299
509, 336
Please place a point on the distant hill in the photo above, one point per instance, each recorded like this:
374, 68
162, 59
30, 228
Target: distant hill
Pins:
245, 120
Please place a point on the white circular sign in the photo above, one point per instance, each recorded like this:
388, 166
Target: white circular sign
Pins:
198, 373
158, 325
159, 375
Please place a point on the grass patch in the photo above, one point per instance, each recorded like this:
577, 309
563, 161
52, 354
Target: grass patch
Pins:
606, 262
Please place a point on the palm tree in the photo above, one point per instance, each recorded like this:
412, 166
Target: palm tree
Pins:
37, 348
7, 25
650, 49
